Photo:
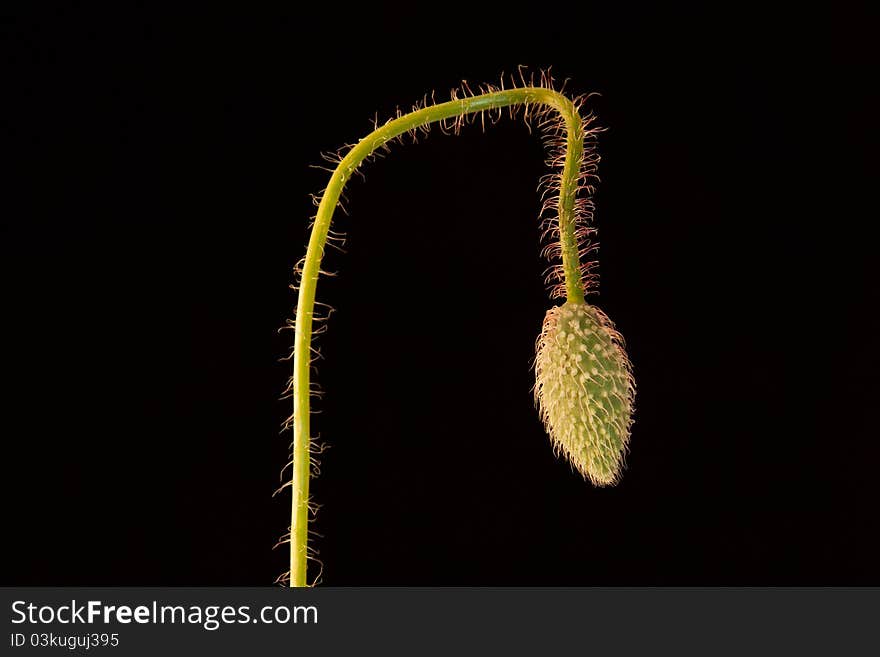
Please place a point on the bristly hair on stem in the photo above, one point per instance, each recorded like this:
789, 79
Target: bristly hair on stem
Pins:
566, 232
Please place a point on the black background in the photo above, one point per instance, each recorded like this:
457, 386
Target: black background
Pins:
160, 200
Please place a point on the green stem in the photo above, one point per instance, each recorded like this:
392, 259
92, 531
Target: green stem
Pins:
311, 268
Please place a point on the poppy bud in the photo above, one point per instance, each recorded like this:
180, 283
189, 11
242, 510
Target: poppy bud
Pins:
584, 390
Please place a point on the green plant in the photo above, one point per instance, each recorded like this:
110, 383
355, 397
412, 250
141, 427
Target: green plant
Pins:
584, 386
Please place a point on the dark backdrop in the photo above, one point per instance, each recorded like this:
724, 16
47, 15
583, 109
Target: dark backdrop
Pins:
160, 200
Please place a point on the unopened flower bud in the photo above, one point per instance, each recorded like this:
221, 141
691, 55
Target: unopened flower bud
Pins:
585, 390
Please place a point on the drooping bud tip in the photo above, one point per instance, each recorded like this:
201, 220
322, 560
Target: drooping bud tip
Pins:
584, 389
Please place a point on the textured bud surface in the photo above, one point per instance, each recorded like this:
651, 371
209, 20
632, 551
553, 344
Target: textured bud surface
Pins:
585, 390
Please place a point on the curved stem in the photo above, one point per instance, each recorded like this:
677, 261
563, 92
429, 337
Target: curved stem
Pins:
311, 267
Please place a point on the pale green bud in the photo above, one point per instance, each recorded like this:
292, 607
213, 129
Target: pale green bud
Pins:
584, 390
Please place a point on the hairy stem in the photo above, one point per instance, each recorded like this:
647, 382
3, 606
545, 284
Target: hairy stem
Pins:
311, 268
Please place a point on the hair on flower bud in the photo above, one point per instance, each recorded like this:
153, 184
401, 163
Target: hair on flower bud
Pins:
584, 390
